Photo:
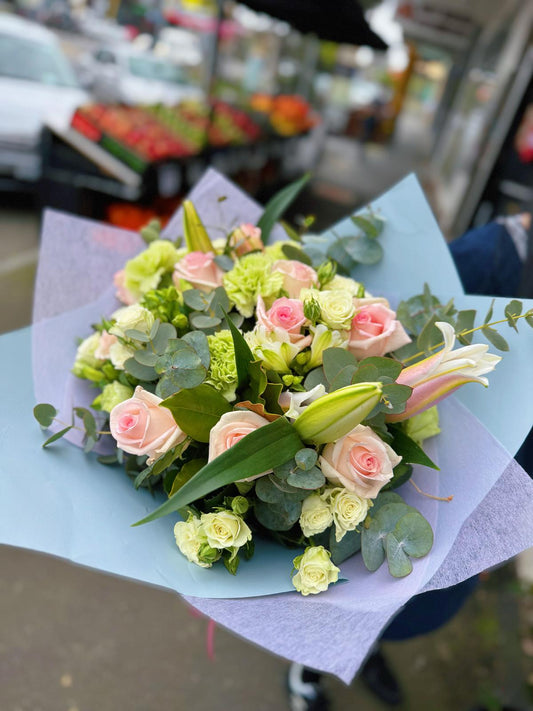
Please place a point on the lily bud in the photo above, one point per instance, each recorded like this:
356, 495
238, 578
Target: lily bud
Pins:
332, 416
196, 237
437, 376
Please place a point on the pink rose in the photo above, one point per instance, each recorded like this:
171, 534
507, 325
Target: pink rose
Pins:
375, 331
104, 345
287, 314
123, 294
141, 427
246, 238
296, 276
360, 461
230, 429
200, 270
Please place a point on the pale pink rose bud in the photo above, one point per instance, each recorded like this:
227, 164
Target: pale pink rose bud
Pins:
286, 314
105, 343
200, 270
122, 293
360, 461
246, 238
140, 426
375, 331
230, 429
296, 276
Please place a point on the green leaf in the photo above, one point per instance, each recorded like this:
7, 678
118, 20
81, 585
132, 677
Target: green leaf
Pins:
198, 341
309, 480
197, 410
383, 498
277, 205
386, 367
136, 335
365, 374
295, 253
343, 378
316, 377
408, 449
224, 262
268, 446
278, 517
401, 474
44, 414
529, 318
188, 470
165, 332
243, 354
414, 534
363, 249
398, 561
465, 322
56, 436
512, 311
231, 563
195, 299
219, 302
429, 336
147, 357
488, 317
267, 491
492, 335
341, 550
271, 395
141, 372
306, 458
334, 360
372, 549
394, 398
372, 225
199, 320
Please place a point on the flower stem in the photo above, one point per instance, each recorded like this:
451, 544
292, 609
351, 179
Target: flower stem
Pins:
447, 499
465, 333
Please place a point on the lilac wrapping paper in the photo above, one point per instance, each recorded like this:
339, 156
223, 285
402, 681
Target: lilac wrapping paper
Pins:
489, 520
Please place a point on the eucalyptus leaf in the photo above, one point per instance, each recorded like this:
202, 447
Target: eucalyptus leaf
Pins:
270, 445
198, 341
165, 332
488, 317
219, 302
145, 357
44, 414
141, 372
137, 335
306, 458
465, 322
372, 225
334, 360
385, 367
316, 377
529, 317
498, 341
276, 517
224, 262
309, 480
343, 378
56, 436
195, 299
267, 491
414, 534
341, 550
397, 559
372, 548
512, 311
395, 396
429, 336
199, 320
363, 249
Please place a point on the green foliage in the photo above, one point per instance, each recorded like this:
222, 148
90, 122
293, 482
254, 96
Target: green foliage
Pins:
44, 414
183, 365
271, 445
277, 205
160, 465
306, 458
396, 532
341, 550
295, 253
197, 410
408, 449
57, 436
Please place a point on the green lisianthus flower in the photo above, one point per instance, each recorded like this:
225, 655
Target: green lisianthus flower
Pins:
144, 272
113, 394
223, 367
424, 425
252, 276
86, 364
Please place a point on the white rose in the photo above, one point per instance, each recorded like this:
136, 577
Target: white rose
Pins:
86, 352
348, 510
336, 308
190, 537
132, 317
315, 571
225, 529
119, 354
343, 283
316, 515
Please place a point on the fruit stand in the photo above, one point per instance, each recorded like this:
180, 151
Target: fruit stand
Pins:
146, 154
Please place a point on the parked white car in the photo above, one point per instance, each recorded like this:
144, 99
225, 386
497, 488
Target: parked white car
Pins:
36, 83
131, 76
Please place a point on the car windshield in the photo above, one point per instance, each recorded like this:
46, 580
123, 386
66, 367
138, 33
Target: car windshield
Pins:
148, 68
34, 61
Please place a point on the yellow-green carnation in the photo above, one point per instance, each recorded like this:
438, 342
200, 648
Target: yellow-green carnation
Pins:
251, 277
144, 272
113, 394
222, 368
424, 425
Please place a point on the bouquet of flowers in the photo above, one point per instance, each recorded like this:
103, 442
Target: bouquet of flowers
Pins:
269, 395
85, 508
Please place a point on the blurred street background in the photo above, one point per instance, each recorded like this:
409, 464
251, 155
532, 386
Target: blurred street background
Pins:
112, 109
